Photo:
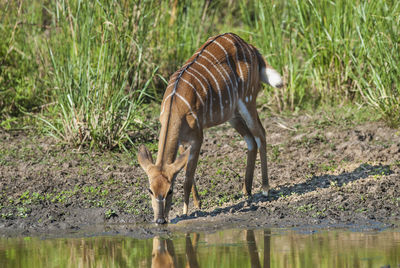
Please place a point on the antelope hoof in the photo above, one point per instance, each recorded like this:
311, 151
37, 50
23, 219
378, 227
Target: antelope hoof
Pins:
161, 221
265, 191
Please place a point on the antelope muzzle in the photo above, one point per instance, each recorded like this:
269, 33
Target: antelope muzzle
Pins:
160, 210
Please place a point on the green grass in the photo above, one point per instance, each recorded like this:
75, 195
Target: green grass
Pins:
21, 76
85, 68
98, 71
331, 52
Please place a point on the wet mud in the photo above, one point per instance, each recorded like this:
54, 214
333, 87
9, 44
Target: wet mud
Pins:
323, 171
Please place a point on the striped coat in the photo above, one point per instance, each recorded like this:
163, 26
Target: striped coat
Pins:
210, 84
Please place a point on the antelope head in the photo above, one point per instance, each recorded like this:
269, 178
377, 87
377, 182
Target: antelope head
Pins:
161, 182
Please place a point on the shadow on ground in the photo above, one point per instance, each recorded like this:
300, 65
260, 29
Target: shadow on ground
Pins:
323, 181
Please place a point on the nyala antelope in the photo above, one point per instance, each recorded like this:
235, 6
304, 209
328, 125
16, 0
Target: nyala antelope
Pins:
219, 83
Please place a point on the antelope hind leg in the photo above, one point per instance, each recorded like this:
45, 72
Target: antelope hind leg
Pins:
238, 123
250, 116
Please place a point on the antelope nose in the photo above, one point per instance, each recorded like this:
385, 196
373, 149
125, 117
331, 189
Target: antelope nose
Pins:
160, 221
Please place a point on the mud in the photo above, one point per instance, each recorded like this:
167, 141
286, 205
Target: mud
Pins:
324, 169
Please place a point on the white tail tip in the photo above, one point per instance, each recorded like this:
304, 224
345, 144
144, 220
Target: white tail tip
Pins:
271, 77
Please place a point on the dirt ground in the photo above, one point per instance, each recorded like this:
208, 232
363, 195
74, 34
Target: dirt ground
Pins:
324, 169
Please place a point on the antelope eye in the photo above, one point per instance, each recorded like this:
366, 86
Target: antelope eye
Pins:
169, 192
150, 191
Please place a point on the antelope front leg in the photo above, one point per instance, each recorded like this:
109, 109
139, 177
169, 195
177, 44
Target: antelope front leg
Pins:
195, 194
189, 184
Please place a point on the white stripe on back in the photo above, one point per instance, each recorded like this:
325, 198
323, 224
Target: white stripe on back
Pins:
245, 61
197, 93
251, 62
198, 80
230, 67
205, 93
210, 93
219, 90
173, 84
241, 76
223, 77
166, 98
190, 108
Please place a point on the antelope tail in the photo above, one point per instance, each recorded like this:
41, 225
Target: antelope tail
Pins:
269, 75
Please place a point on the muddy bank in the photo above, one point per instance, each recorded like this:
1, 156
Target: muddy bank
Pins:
324, 170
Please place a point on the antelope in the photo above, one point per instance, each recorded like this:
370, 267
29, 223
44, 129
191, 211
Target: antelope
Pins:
219, 83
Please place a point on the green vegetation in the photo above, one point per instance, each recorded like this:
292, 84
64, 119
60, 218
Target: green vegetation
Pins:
305, 208
91, 196
85, 68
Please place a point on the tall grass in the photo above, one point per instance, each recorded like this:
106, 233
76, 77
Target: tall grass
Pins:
93, 63
331, 51
98, 69
21, 76
377, 61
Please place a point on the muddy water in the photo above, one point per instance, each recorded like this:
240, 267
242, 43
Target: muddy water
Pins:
229, 248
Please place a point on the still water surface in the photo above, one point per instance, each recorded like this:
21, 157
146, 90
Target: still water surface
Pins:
228, 248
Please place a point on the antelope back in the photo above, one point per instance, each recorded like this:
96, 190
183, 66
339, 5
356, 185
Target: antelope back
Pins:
210, 84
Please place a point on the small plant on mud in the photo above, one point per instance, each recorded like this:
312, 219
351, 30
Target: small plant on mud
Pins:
311, 164
275, 153
334, 184
361, 210
7, 215
282, 195
378, 176
23, 211
110, 213
223, 199
396, 201
331, 166
37, 197
319, 214
305, 208
203, 193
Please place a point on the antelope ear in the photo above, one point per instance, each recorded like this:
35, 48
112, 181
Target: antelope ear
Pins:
144, 158
179, 163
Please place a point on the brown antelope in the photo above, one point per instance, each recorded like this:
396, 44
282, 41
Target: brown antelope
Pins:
219, 83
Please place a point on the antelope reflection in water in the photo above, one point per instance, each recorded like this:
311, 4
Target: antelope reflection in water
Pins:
253, 251
163, 254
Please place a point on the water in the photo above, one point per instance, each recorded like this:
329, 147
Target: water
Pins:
228, 248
